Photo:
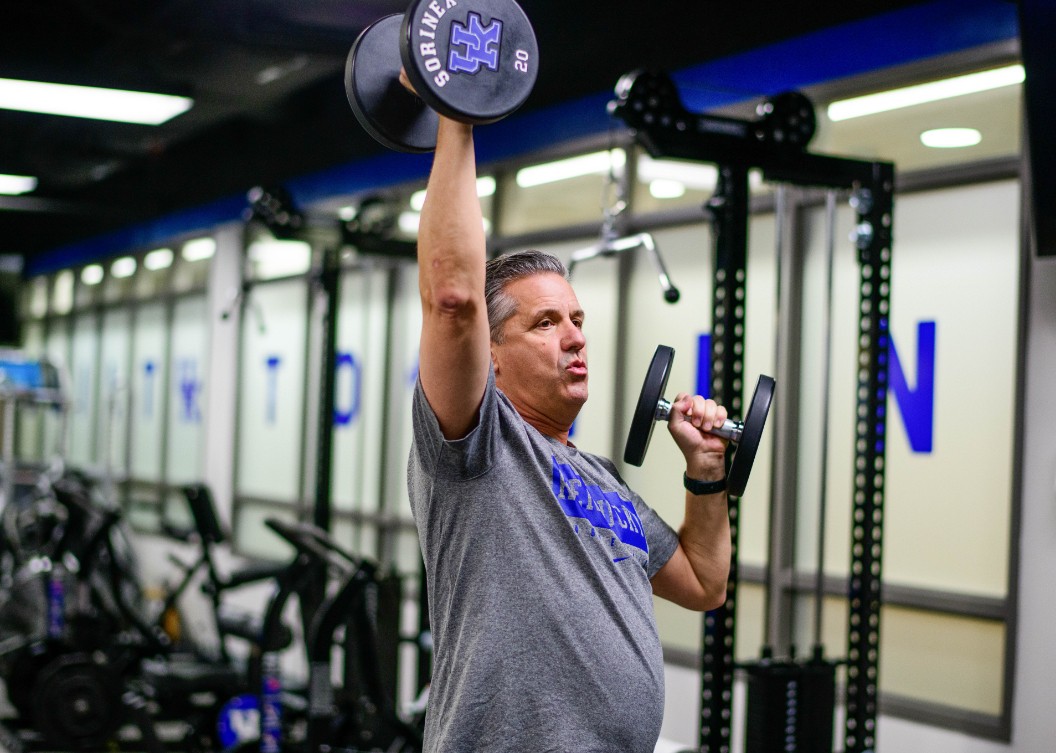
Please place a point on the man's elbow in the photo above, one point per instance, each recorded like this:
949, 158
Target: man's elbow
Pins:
457, 302
710, 596
704, 597
716, 598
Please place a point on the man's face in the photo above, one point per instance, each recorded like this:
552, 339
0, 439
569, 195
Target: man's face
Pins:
542, 364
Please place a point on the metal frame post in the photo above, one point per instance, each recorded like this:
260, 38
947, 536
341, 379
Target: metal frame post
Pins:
728, 211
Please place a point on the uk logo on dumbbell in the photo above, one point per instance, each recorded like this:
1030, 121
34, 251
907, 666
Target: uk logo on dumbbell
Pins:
479, 43
474, 61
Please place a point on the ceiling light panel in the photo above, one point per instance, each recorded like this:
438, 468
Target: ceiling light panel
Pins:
13, 185
145, 108
595, 163
932, 91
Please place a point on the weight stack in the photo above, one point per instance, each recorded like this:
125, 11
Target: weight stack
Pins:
790, 707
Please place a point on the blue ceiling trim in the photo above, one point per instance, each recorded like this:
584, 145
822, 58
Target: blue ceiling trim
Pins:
899, 37
377, 172
139, 237
895, 38
516, 135
541, 129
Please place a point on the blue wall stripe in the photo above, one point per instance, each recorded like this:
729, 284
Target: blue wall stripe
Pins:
894, 38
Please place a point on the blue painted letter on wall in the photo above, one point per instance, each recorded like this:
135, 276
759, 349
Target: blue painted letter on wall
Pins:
272, 364
347, 363
148, 389
916, 404
704, 364
190, 387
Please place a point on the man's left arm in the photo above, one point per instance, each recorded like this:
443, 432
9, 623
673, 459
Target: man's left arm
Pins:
696, 575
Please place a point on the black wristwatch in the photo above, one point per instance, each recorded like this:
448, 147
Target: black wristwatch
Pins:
703, 487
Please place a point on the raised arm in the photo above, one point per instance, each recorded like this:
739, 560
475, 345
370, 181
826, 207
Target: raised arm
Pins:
455, 349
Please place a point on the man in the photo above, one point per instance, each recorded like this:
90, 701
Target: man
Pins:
541, 562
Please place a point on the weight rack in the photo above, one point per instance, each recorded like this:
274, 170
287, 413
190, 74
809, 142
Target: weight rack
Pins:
648, 102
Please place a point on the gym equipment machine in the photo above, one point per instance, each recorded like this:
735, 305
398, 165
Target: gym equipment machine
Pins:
360, 618
71, 676
93, 660
776, 143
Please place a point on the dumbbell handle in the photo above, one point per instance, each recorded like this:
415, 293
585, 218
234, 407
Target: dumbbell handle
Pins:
730, 429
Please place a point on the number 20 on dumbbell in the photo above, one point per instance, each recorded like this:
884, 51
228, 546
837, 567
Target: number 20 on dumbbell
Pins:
474, 61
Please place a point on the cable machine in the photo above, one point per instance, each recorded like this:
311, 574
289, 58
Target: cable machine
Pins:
791, 702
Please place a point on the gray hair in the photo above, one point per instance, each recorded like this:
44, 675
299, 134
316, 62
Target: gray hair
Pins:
501, 271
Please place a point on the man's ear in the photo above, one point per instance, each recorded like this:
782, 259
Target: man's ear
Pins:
494, 360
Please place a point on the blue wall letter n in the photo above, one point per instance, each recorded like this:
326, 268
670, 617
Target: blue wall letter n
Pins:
917, 405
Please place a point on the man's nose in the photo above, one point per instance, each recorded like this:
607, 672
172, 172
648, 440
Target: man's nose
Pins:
574, 338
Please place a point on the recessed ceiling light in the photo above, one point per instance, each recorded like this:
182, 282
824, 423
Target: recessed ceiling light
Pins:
123, 267
158, 259
92, 274
933, 91
199, 249
950, 138
666, 188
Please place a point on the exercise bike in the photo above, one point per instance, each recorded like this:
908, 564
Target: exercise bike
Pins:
354, 713
348, 704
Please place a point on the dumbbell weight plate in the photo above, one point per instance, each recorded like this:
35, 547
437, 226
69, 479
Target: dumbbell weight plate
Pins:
645, 411
751, 435
385, 109
475, 61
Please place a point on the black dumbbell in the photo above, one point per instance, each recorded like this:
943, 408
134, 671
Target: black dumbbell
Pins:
474, 61
653, 407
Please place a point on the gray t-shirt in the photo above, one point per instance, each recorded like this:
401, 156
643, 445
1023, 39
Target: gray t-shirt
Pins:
538, 559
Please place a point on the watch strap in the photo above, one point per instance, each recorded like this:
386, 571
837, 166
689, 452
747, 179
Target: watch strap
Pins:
703, 487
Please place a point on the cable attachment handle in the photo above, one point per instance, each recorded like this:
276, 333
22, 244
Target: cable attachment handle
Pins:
612, 242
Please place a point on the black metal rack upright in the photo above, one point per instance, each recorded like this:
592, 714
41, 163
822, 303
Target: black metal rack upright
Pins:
649, 103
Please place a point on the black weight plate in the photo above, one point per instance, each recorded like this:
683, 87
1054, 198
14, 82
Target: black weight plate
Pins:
385, 109
645, 412
474, 61
751, 435
77, 703
23, 670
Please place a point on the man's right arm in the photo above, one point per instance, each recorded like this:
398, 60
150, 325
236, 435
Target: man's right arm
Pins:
455, 349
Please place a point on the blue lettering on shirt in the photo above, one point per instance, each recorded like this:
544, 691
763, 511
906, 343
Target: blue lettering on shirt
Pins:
600, 508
